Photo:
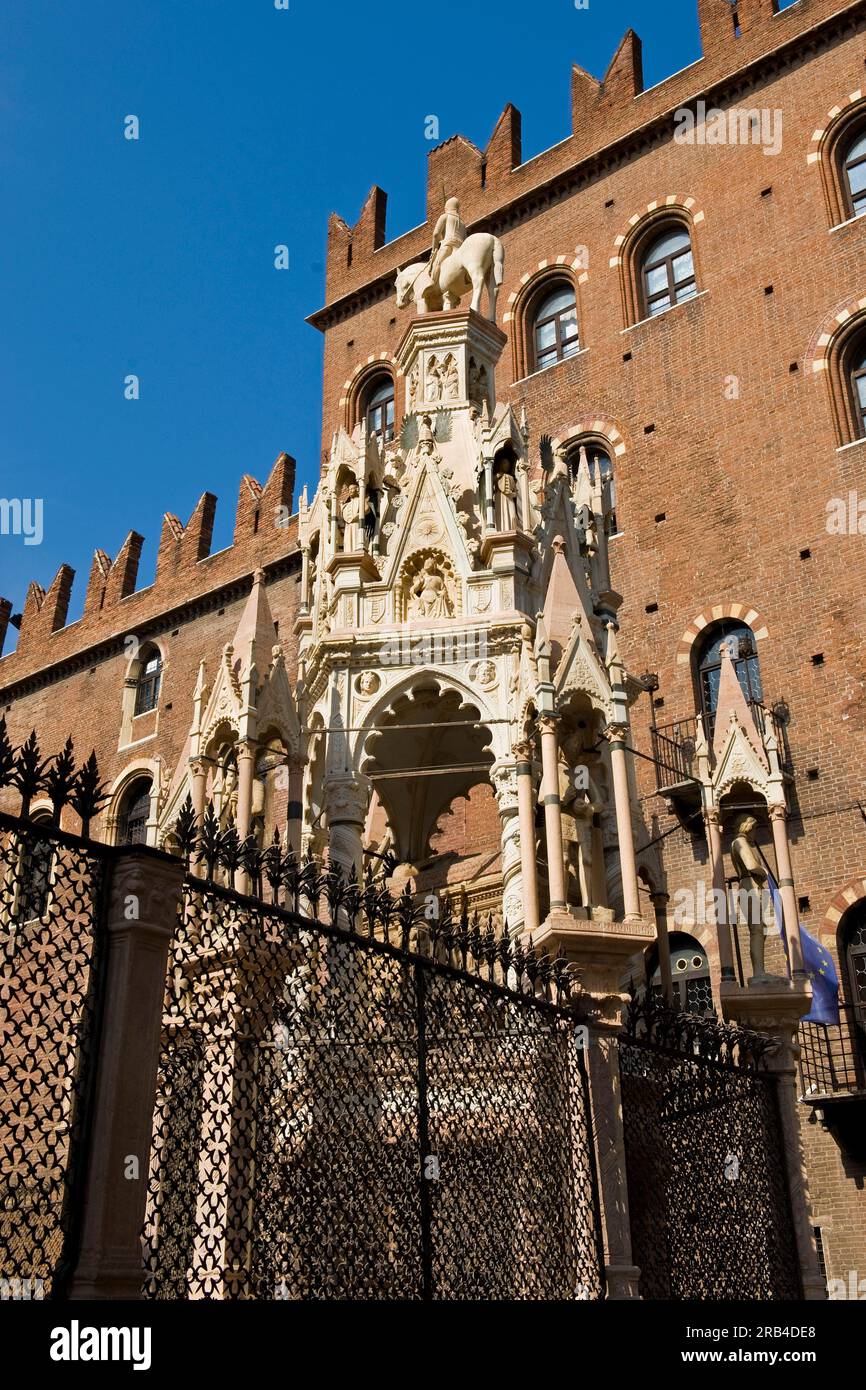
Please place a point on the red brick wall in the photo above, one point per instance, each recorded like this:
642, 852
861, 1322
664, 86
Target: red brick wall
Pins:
743, 479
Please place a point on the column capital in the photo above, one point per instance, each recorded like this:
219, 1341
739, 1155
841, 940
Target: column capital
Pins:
548, 721
777, 811
616, 733
346, 800
504, 778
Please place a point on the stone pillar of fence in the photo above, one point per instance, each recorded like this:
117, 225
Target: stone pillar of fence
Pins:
602, 948
142, 902
775, 1008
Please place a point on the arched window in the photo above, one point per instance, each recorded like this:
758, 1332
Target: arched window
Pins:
379, 407
690, 970
854, 946
149, 680
668, 271
37, 859
554, 327
708, 665
134, 813
598, 460
858, 384
854, 170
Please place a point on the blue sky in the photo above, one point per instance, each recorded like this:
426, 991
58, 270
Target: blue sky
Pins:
155, 257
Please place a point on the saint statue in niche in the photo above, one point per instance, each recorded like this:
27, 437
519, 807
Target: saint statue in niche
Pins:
351, 514
506, 502
430, 593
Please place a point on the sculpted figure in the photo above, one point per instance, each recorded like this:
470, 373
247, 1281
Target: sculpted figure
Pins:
576, 834
750, 870
351, 515
426, 437
450, 378
477, 382
506, 502
430, 592
457, 263
412, 389
434, 381
448, 234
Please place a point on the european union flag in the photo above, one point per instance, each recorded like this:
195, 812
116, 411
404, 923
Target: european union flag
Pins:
819, 966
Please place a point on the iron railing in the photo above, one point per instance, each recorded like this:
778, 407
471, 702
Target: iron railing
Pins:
674, 747
357, 1102
708, 1198
53, 950
674, 744
833, 1055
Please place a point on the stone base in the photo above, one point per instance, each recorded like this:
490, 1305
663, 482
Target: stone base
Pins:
622, 1283
500, 549
350, 567
598, 946
768, 1004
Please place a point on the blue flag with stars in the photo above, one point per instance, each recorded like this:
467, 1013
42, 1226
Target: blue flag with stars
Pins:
819, 966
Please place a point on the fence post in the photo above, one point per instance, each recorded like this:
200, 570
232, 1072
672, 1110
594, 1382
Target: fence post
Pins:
601, 948
142, 901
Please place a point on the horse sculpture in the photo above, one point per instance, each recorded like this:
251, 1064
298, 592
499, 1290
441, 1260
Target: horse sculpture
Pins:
477, 262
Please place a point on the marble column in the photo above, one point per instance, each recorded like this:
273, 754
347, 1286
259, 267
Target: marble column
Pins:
246, 767
621, 1274
305, 580
778, 822
526, 822
346, 802
660, 906
513, 908
295, 804
198, 770
719, 914
616, 735
552, 812
141, 914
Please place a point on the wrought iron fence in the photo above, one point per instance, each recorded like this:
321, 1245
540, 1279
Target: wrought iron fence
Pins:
51, 889
833, 1055
708, 1196
369, 1106
52, 950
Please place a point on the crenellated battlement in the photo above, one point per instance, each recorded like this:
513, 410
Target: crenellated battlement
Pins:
736, 35
265, 531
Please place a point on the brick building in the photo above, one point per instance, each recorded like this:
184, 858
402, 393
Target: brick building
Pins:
679, 350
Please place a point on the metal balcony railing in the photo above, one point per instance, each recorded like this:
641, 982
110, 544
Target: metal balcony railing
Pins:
674, 743
674, 752
833, 1056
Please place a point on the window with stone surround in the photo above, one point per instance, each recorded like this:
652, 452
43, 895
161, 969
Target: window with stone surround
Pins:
853, 942
599, 460
858, 387
555, 334
667, 271
854, 172
148, 680
707, 658
846, 375
377, 404
134, 813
